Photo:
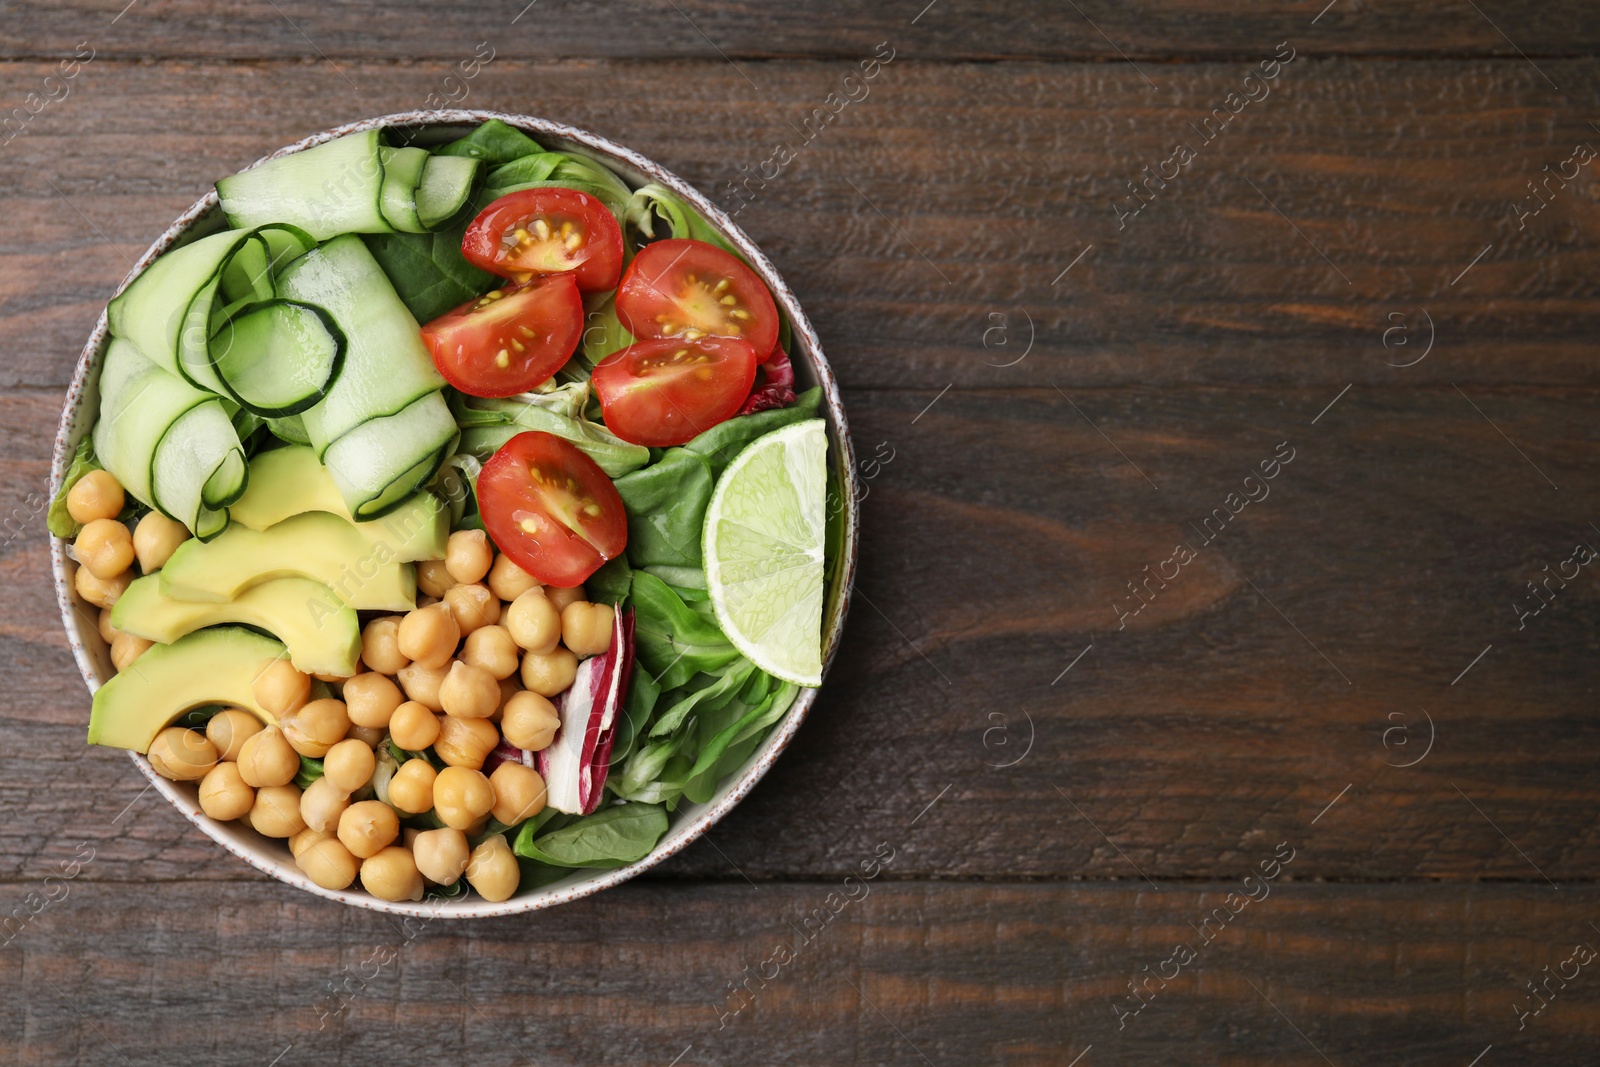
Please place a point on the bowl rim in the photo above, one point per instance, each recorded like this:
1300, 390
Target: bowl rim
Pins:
89, 650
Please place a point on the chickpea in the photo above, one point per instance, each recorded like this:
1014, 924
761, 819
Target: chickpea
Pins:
433, 578
380, 645
105, 547
349, 764
467, 556
155, 539
108, 633
224, 794
266, 759
322, 803
518, 793
97, 495
461, 796
465, 742
492, 649
229, 729
473, 606
441, 855
280, 689
427, 601
421, 684
126, 648
276, 812
411, 788
101, 592
328, 863
428, 636
413, 727
586, 628
492, 870
368, 826
469, 692
562, 597
408, 836
305, 839
534, 622
371, 698
316, 727
392, 875
371, 736
530, 721
508, 581
181, 755
549, 674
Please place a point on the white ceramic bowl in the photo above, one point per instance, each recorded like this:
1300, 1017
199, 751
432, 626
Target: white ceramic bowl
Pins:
690, 820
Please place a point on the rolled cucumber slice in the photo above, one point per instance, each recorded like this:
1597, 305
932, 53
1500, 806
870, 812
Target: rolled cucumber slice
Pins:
402, 173
279, 357
353, 184
386, 368
171, 446
334, 188
381, 463
207, 312
446, 187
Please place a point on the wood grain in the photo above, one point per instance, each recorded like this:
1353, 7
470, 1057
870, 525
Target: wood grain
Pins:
998, 537
707, 29
1019, 975
975, 186
1066, 792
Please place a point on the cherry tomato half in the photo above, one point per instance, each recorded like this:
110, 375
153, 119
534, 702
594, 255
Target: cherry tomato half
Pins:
551, 508
690, 289
547, 231
666, 391
510, 339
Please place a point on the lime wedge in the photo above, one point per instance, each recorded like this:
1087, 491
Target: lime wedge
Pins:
763, 551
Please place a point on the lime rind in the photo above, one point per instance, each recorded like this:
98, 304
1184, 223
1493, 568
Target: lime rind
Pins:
763, 548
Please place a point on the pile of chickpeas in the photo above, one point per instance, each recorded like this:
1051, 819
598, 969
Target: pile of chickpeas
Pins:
475, 663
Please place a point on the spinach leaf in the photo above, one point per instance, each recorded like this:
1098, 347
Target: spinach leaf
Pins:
493, 142
720, 444
688, 582
672, 640
59, 519
535, 167
610, 584
636, 710
666, 505
569, 170
611, 837
428, 270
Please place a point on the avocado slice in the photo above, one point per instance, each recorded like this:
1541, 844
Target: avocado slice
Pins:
362, 570
216, 666
286, 482
323, 636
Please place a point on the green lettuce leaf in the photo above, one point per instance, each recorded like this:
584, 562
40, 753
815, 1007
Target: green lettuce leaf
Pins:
59, 519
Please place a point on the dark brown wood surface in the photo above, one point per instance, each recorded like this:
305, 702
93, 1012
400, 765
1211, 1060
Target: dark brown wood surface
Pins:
1056, 400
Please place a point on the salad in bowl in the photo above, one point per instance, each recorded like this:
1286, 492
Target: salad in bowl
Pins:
453, 514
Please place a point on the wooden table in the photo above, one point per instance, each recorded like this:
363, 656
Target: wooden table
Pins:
1070, 347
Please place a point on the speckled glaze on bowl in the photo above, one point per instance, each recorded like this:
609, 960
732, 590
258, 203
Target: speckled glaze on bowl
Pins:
690, 820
